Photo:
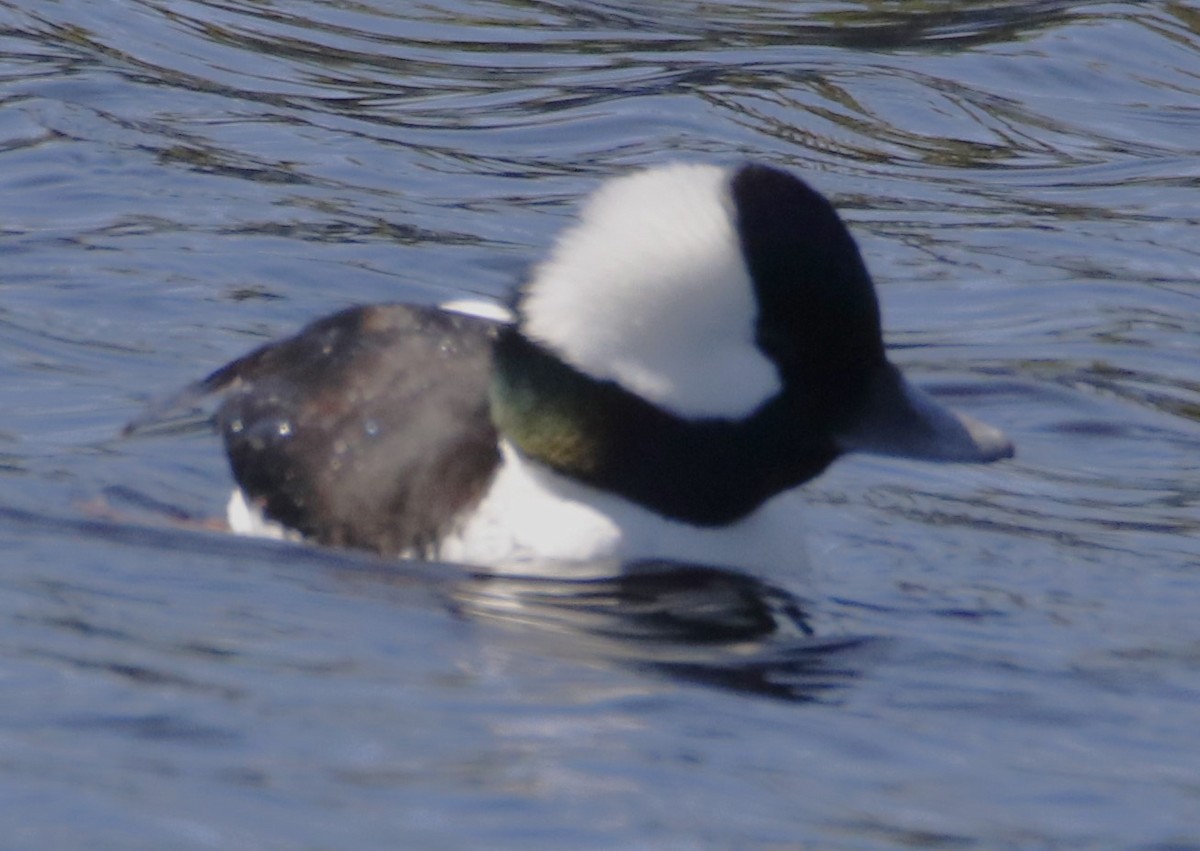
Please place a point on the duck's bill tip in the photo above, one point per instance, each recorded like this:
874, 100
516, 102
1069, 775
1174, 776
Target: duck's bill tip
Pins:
986, 443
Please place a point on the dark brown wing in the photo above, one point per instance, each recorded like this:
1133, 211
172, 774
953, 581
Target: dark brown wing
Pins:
369, 428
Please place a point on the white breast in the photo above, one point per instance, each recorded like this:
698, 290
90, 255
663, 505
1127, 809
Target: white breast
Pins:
531, 517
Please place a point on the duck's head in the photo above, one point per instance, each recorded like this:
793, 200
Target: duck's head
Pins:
703, 338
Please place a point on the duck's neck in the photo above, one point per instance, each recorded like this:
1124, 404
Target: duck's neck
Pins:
706, 472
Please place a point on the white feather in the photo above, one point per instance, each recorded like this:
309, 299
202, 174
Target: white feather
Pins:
478, 307
246, 518
531, 515
650, 289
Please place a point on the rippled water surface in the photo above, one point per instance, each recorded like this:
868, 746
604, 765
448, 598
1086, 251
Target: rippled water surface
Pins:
999, 657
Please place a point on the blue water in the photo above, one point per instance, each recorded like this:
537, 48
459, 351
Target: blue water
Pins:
998, 657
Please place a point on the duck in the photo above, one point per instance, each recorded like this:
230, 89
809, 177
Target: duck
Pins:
700, 342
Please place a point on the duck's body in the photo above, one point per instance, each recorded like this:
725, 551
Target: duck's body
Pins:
700, 344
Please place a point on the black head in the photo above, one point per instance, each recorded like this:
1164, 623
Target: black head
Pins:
706, 338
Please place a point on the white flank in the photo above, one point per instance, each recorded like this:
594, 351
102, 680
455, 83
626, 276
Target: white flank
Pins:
650, 289
246, 518
533, 517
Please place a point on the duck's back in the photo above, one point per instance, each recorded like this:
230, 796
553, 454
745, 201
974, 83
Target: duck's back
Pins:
369, 428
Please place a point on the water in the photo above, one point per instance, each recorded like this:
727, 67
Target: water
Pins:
1002, 657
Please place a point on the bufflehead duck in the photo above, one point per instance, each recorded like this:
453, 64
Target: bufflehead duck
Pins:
701, 342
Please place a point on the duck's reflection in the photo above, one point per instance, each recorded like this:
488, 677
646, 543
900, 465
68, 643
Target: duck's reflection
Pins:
709, 625
700, 624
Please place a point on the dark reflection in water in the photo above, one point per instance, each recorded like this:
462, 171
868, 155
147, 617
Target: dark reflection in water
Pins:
699, 624
702, 624
871, 26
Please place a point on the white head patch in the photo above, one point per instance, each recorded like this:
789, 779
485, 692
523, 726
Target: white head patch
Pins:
650, 290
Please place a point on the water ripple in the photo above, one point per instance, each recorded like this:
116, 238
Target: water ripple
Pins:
183, 179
